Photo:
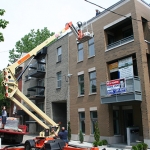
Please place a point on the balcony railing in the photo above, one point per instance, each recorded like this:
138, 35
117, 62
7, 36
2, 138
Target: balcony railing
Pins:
36, 92
37, 70
133, 92
120, 42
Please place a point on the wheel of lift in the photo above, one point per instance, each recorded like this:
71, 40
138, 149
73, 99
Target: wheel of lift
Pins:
29, 144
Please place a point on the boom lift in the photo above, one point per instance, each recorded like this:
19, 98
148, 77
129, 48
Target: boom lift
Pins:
45, 139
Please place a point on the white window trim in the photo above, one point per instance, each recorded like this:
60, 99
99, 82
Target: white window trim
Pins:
93, 108
81, 109
80, 73
91, 69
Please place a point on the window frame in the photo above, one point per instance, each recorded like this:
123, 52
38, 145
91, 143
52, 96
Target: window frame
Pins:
59, 79
93, 120
80, 49
81, 120
91, 47
59, 54
80, 82
91, 80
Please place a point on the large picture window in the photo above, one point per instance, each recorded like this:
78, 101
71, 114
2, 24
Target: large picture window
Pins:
92, 76
91, 47
80, 52
81, 84
82, 121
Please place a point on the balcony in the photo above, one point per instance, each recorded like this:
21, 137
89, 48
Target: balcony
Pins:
120, 42
41, 53
36, 93
37, 70
132, 92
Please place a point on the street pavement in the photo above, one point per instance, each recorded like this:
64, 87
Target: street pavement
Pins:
76, 144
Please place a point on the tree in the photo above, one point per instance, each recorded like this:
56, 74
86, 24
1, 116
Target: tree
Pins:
81, 137
3, 24
69, 131
96, 135
3, 100
29, 42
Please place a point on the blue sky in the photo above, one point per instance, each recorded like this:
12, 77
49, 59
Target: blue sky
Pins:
24, 15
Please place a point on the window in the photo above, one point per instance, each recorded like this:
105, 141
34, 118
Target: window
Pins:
80, 52
58, 79
81, 84
116, 122
82, 121
93, 120
92, 76
59, 53
91, 47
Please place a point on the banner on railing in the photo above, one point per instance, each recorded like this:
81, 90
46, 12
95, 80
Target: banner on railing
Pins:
117, 86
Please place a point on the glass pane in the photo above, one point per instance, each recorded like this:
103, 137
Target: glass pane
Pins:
91, 41
94, 114
91, 50
59, 51
93, 75
80, 46
80, 55
82, 115
116, 122
93, 86
83, 126
81, 78
81, 88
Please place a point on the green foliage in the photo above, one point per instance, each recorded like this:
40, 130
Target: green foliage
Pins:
96, 135
104, 142
81, 138
3, 24
29, 42
134, 147
140, 146
100, 143
69, 131
145, 146
3, 100
95, 143
96, 132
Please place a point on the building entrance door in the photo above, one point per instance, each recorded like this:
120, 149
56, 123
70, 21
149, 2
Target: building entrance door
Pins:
128, 121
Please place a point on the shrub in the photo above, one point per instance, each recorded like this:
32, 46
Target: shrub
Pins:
104, 142
95, 143
100, 143
145, 146
81, 138
140, 146
96, 132
134, 147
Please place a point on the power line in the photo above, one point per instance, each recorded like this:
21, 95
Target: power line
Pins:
115, 12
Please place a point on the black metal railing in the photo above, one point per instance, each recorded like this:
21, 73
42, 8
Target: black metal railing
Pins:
120, 42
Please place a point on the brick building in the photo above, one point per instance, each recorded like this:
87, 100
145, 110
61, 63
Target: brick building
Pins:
45, 83
117, 52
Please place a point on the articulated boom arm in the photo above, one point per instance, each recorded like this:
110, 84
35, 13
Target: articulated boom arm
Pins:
11, 85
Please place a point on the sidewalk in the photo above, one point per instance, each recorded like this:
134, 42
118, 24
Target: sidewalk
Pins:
89, 145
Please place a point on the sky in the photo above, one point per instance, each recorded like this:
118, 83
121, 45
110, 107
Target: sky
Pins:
25, 15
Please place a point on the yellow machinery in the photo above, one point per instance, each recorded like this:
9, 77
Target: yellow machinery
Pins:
11, 85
